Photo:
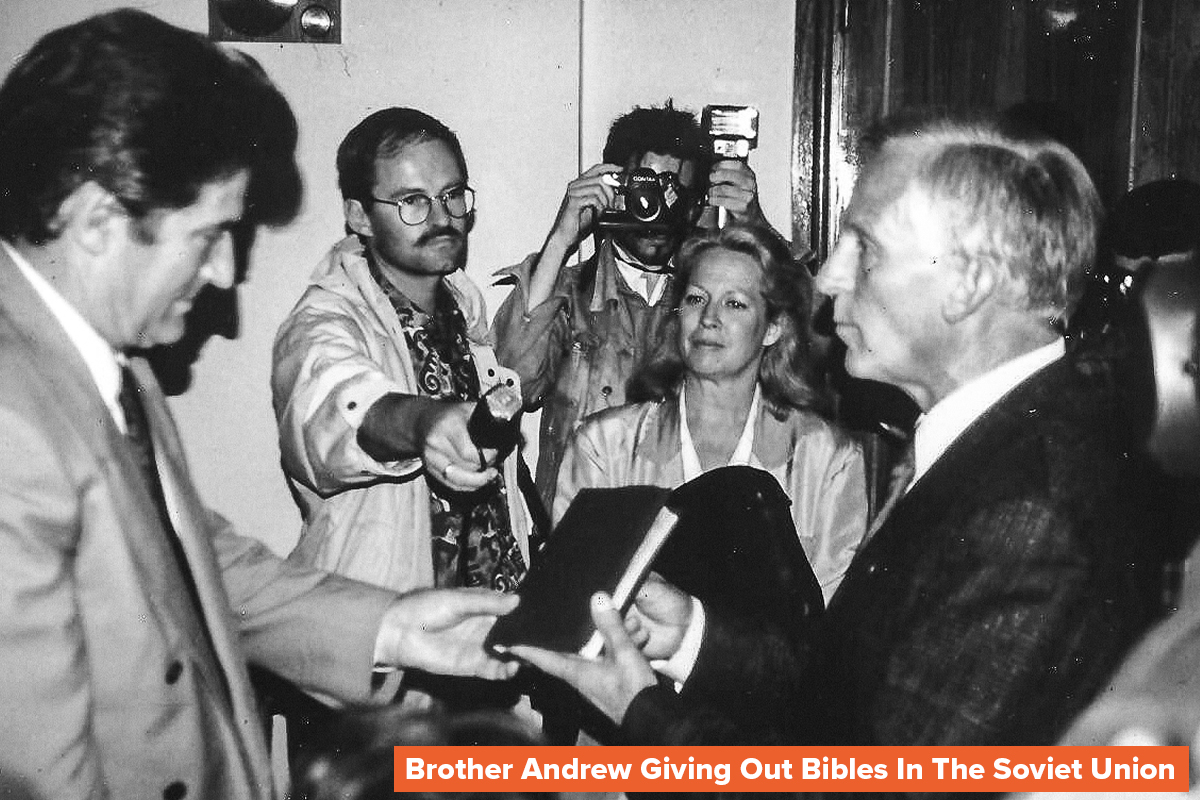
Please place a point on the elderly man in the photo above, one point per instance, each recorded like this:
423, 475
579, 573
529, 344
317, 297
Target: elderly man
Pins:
1006, 576
128, 610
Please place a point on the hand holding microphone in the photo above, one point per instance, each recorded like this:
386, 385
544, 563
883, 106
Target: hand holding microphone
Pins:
495, 424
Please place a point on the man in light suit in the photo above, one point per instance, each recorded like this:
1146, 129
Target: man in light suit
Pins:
1011, 569
128, 611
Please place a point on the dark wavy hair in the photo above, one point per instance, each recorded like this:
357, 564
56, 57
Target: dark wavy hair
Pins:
151, 113
661, 129
787, 370
383, 134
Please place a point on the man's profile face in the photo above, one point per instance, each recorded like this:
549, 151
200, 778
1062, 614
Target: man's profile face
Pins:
142, 296
437, 246
889, 273
658, 248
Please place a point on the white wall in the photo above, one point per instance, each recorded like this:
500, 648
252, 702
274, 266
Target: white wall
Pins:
699, 52
529, 85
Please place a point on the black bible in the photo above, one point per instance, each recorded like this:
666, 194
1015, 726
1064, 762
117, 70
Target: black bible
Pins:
727, 538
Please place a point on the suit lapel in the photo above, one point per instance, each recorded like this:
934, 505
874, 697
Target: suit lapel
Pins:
1009, 420
959, 469
191, 522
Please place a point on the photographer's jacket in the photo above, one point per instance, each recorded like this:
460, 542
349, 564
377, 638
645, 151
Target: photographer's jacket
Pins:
576, 351
339, 351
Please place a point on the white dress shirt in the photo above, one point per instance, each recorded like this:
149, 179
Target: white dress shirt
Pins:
649, 284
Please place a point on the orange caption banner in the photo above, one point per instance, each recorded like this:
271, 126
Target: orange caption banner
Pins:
750, 769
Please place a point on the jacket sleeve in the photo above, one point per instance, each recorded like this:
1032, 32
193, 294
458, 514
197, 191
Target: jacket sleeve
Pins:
46, 699
589, 462
532, 343
658, 717
313, 628
323, 382
744, 690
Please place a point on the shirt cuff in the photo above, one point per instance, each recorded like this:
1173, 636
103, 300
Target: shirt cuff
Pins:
680, 665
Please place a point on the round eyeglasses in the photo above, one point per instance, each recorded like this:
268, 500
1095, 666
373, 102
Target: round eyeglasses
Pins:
414, 208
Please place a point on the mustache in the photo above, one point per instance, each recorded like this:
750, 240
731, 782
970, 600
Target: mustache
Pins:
430, 235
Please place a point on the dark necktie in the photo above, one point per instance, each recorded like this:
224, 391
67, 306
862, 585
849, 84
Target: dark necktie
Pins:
900, 477
137, 433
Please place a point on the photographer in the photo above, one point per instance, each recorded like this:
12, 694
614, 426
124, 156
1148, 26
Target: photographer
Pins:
576, 333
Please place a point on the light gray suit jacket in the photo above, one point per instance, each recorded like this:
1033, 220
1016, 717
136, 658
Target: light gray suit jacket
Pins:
106, 689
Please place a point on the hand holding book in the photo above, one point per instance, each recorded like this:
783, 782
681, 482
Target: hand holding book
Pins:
731, 544
659, 617
610, 681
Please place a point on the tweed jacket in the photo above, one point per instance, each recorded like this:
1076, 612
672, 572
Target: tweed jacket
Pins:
105, 687
339, 351
998, 596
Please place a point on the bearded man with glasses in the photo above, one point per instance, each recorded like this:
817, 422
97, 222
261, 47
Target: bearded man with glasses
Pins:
377, 370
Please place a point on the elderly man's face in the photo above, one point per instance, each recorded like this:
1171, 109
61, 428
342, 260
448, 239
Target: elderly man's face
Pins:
888, 276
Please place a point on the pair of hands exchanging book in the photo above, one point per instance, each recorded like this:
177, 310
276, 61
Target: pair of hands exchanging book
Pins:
622, 670
592, 615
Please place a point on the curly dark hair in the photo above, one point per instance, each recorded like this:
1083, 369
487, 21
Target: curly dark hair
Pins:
150, 112
786, 373
661, 129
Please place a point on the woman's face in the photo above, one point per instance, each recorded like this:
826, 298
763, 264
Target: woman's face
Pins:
723, 325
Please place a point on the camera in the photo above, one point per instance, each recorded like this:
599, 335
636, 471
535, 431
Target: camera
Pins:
646, 201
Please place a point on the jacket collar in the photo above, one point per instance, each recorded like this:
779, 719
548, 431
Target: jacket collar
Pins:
774, 439
609, 287
344, 271
1049, 397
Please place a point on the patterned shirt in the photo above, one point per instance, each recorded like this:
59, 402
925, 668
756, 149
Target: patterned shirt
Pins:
473, 544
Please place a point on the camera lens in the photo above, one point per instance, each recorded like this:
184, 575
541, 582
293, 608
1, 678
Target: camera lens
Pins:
643, 197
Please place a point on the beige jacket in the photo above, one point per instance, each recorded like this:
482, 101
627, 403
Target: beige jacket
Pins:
104, 691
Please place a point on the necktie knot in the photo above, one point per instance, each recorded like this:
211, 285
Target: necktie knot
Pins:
903, 471
899, 478
128, 398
